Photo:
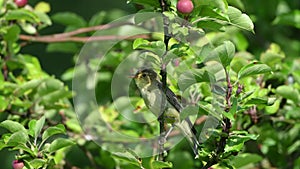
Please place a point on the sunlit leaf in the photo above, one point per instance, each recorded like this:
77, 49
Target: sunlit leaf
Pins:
252, 69
12, 126
162, 164
59, 143
239, 19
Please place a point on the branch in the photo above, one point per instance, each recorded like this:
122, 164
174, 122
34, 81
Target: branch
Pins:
53, 38
71, 36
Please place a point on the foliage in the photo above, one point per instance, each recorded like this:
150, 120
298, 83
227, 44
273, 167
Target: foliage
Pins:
249, 68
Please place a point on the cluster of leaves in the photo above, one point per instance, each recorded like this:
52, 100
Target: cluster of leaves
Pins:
258, 119
28, 93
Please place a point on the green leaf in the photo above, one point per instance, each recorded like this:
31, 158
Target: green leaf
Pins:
252, 69
55, 96
69, 19
157, 47
28, 28
161, 164
152, 3
22, 14
12, 126
274, 55
51, 131
39, 126
223, 53
59, 144
292, 18
4, 102
73, 125
273, 108
288, 92
49, 85
12, 34
257, 101
28, 87
194, 76
19, 137
44, 18
245, 159
97, 18
33, 67
64, 47
38, 163
240, 20
42, 7
127, 157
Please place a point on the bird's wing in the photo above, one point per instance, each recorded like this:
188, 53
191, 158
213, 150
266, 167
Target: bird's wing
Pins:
172, 98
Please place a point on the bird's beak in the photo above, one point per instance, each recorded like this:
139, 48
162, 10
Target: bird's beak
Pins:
133, 76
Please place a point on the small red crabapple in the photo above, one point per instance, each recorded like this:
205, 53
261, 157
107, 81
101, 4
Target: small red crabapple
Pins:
185, 6
17, 164
20, 3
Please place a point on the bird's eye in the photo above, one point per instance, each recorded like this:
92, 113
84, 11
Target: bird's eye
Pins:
143, 75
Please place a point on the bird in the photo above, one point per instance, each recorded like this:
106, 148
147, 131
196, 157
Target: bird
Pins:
157, 101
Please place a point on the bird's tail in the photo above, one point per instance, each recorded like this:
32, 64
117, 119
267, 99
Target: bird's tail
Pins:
188, 130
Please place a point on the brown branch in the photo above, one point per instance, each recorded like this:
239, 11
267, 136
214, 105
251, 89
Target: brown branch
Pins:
71, 36
52, 38
90, 29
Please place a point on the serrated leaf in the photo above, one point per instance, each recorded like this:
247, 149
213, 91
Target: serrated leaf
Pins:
252, 69
59, 144
12, 126
51, 131
161, 164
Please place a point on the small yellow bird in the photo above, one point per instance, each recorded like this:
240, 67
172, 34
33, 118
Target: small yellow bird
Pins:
152, 93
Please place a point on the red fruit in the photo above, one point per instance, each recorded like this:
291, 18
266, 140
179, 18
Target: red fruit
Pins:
17, 164
185, 6
21, 3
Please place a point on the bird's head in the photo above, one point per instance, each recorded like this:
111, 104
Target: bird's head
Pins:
145, 77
